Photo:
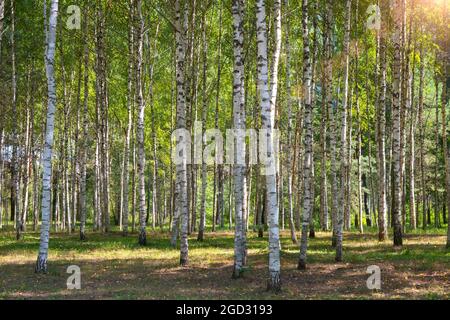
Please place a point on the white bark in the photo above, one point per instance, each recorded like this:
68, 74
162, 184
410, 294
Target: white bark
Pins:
201, 228
290, 121
344, 148
268, 101
85, 137
181, 169
239, 123
130, 96
332, 129
396, 119
381, 133
308, 140
140, 127
41, 263
14, 160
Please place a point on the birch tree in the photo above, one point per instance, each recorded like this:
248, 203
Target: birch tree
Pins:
85, 137
290, 155
445, 140
201, 228
140, 125
332, 129
15, 184
181, 168
396, 118
130, 98
239, 169
268, 101
344, 148
381, 129
308, 204
41, 263
324, 224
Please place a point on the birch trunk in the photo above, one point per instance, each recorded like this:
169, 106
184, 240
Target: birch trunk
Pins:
181, 168
15, 209
41, 263
239, 123
358, 125
344, 148
201, 227
315, 48
290, 154
396, 118
268, 102
324, 224
412, 127
308, 140
28, 149
130, 96
381, 136
332, 123
140, 125
155, 186
85, 136
445, 142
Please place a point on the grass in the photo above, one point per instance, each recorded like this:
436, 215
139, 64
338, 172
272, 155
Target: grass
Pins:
115, 267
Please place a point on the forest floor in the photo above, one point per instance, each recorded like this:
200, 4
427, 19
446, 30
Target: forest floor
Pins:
115, 267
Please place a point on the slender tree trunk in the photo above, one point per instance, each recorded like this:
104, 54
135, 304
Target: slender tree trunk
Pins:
396, 118
436, 153
15, 185
324, 224
85, 136
344, 148
358, 124
268, 102
130, 101
155, 185
445, 141
76, 152
201, 228
28, 151
140, 125
332, 124
290, 154
239, 124
422, 140
102, 100
308, 201
381, 133
412, 128
181, 168
315, 47
41, 263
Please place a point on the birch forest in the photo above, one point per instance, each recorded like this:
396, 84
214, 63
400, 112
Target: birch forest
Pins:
225, 149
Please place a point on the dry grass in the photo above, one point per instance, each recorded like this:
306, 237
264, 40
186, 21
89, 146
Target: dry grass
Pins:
114, 267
